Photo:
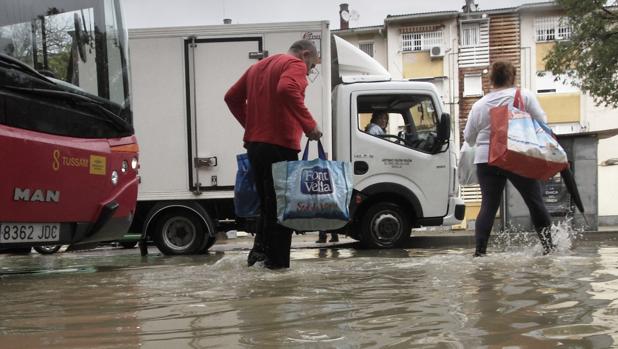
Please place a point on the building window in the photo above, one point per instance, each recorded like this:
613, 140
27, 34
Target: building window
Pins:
552, 28
366, 47
421, 41
546, 82
470, 34
473, 85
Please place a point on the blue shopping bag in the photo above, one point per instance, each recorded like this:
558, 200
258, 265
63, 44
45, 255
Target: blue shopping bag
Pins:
246, 199
313, 195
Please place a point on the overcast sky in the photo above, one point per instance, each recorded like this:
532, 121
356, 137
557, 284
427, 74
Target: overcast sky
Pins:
163, 13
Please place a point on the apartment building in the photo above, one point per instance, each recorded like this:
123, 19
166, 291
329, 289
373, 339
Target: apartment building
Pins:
568, 109
454, 50
422, 47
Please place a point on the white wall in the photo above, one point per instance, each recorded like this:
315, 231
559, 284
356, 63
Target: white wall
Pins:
528, 52
608, 190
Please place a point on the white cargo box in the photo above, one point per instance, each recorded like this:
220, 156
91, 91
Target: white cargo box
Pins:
188, 138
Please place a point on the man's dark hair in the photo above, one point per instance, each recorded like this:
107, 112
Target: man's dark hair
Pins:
302, 45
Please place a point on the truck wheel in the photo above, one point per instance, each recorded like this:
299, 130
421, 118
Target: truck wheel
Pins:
384, 225
209, 242
47, 249
179, 232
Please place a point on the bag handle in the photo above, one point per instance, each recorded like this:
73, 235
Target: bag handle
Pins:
321, 153
518, 101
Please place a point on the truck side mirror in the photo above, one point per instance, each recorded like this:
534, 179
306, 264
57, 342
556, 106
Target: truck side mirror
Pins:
444, 133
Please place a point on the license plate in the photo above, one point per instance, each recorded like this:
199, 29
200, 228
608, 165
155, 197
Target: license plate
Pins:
29, 232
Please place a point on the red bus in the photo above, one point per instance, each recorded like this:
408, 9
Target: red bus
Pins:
68, 153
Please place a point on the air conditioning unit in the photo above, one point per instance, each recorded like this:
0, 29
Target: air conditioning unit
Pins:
436, 52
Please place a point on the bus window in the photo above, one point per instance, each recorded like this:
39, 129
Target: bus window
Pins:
79, 52
81, 43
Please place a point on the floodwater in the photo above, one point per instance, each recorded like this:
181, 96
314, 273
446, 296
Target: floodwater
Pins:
409, 298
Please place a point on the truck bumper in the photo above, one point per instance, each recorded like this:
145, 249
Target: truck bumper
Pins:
456, 211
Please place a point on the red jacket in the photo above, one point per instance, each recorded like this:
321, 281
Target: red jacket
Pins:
269, 101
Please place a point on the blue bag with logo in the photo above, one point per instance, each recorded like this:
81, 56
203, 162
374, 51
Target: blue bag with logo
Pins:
246, 199
313, 195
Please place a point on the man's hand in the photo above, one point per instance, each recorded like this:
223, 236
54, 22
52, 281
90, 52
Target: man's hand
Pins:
314, 134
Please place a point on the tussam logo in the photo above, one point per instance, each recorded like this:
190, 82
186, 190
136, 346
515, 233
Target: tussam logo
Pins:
316, 180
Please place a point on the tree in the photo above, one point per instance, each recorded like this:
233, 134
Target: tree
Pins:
590, 57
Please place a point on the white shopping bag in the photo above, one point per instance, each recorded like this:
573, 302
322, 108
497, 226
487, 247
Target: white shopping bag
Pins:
466, 167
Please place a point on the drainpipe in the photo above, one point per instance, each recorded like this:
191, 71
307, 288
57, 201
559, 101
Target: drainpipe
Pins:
528, 65
453, 69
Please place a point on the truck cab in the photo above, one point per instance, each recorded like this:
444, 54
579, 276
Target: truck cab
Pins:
405, 176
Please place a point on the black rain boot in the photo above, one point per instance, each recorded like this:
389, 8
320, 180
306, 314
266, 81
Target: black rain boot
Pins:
254, 257
257, 253
546, 241
481, 248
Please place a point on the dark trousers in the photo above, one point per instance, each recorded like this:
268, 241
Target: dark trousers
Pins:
271, 238
492, 181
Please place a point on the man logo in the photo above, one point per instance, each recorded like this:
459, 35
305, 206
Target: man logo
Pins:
316, 180
38, 195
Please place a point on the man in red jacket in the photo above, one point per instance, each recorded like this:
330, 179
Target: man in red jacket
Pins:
269, 102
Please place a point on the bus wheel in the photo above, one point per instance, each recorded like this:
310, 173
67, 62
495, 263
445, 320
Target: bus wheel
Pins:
179, 232
47, 249
384, 225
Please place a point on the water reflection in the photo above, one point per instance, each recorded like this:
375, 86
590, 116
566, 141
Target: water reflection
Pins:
330, 298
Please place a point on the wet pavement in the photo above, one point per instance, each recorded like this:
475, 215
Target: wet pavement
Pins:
332, 297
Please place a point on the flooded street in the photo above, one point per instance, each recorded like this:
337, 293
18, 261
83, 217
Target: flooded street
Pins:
330, 298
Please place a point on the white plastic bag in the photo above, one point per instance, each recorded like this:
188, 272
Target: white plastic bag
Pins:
467, 168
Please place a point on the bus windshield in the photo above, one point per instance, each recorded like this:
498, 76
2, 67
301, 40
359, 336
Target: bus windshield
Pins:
80, 45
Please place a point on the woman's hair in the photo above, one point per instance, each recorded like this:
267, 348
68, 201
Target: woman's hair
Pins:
502, 74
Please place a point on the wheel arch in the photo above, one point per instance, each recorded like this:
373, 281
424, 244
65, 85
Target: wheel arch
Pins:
165, 206
390, 192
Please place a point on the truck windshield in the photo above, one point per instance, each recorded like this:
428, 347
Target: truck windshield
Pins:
79, 44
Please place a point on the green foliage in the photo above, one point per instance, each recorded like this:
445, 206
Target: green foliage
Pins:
59, 63
591, 55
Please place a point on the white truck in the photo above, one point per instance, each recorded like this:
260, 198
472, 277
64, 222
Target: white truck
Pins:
189, 140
